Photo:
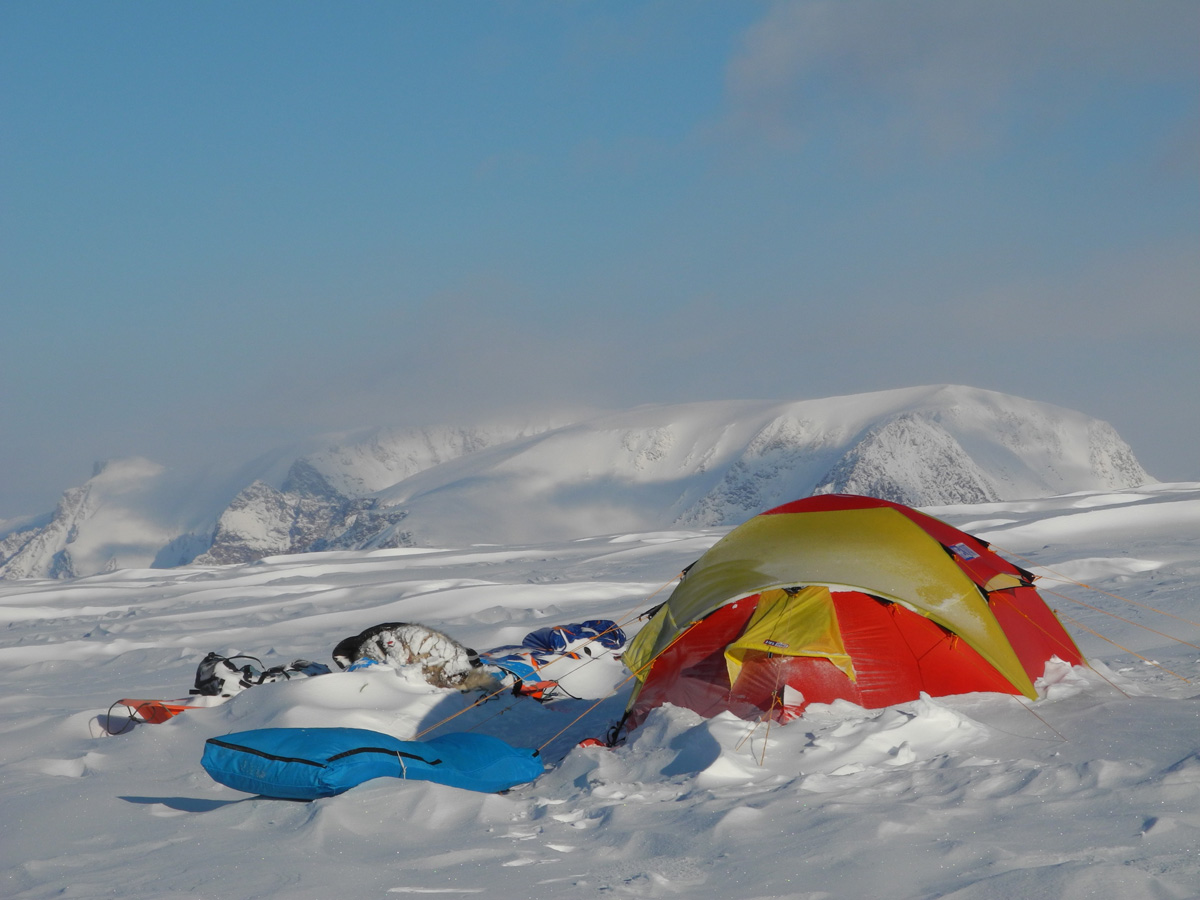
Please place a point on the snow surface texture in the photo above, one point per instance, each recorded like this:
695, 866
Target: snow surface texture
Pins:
699, 465
1093, 791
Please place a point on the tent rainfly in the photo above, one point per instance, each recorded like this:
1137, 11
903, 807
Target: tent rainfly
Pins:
842, 597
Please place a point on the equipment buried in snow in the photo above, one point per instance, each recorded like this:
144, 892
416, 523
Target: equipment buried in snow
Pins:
217, 676
443, 661
530, 668
412, 649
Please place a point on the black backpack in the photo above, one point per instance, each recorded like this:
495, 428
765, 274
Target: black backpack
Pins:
217, 676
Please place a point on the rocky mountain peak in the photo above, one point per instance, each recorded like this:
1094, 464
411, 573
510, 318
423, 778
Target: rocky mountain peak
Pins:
650, 468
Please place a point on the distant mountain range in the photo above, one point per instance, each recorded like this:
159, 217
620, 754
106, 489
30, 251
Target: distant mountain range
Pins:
646, 469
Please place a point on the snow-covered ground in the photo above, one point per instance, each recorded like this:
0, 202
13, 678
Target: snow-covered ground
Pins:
1093, 791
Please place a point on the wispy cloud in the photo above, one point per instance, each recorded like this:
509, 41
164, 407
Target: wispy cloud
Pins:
947, 75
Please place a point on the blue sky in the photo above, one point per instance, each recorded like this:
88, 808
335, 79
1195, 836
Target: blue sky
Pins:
227, 225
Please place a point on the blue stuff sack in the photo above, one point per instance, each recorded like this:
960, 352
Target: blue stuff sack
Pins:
308, 763
546, 645
564, 638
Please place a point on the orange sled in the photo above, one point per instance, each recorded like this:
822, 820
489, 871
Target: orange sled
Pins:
152, 712
155, 711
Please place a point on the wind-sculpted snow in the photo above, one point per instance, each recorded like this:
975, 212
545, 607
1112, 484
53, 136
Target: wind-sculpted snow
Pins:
1091, 791
650, 468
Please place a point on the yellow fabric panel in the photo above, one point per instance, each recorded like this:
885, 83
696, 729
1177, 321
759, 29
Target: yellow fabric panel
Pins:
877, 550
640, 651
1002, 580
800, 624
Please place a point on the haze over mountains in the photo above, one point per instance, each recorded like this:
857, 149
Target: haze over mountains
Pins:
651, 468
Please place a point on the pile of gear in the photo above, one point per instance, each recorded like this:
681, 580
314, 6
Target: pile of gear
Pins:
441, 660
426, 653
523, 667
432, 655
309, 763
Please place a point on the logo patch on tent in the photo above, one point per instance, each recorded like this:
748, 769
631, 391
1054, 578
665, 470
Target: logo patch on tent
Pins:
962, 551
780, 644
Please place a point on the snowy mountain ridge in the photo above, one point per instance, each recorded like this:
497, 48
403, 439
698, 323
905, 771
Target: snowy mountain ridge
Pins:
710, 464
71, 540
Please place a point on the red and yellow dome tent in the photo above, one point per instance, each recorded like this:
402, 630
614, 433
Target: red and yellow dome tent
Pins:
842, 597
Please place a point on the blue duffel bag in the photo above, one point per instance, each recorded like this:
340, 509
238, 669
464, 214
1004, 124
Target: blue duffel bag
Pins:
307, 763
